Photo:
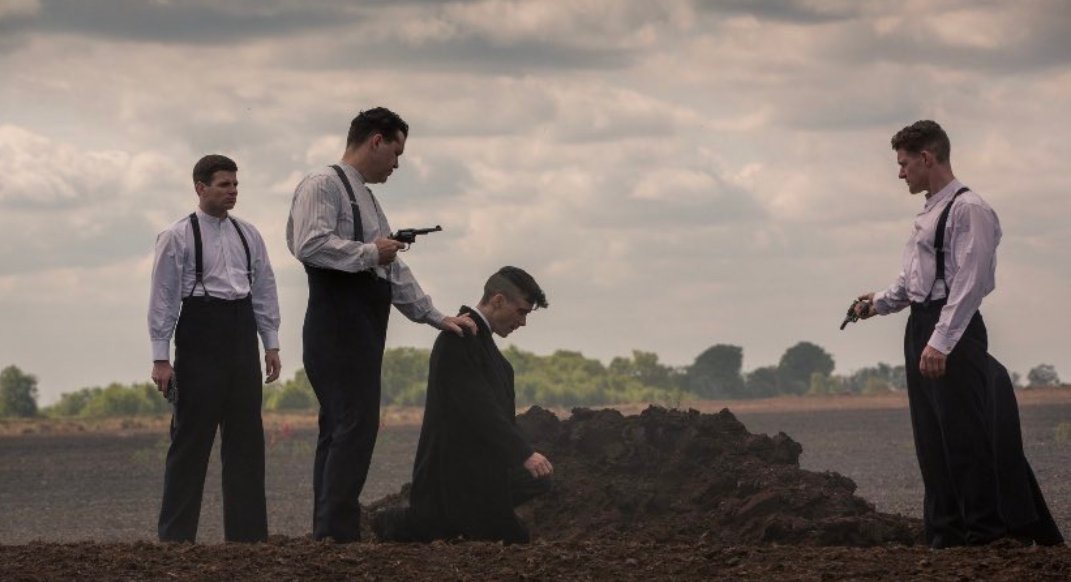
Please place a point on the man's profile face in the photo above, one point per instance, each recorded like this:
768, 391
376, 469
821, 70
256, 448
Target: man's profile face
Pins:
508, 315
383, 158
914, 169
220, 195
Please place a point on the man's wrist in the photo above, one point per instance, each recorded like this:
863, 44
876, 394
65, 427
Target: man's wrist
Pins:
939, 342
878, 301
161, 350
436, 319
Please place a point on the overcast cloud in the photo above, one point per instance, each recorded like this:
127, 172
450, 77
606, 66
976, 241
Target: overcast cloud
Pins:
676, 174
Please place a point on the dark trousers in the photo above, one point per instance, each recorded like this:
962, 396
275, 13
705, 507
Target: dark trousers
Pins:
344, 334
523, 487
978, 484
424, 524
217, 369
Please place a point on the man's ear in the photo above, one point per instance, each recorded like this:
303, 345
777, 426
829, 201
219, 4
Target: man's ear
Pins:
199, 187
928, 158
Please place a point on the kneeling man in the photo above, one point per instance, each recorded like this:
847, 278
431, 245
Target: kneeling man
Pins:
473, 465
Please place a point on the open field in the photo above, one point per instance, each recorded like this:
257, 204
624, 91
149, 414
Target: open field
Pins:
70, 482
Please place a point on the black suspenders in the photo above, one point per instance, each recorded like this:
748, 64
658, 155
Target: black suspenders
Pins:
939, 245
939, 240
358, 229
198, 260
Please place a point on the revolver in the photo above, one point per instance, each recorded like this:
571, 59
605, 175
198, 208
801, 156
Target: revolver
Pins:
852, 317
408, 235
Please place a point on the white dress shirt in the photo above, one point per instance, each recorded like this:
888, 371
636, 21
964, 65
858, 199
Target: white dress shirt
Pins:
225, 277
971, 238
320, 233
483, 317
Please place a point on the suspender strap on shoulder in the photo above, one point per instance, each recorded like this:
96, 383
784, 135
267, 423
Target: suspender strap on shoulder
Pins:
939, 240
198, 254
248, 255
358, 230
198, 260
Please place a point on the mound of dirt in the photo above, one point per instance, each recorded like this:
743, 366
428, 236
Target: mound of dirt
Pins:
671, 475
682, 476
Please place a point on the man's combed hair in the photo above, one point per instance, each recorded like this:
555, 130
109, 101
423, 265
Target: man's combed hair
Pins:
924, 135
207, 166
515, 283
378, 120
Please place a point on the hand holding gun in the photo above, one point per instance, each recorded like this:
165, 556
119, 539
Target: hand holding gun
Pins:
853, 315
408, 235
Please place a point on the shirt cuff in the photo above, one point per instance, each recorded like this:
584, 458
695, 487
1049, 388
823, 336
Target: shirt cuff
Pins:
270, 338
434, 318
373, 254
880, 305
161, 350
941, 343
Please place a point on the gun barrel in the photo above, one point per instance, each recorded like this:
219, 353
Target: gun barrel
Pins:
408, 235
851, 317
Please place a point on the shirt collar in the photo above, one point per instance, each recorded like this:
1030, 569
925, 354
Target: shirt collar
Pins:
942, 195
352, 170
482, 316
205, 217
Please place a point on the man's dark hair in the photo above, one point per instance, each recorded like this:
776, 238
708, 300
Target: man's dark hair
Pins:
515, 283
207, 167
924, 135
379, 120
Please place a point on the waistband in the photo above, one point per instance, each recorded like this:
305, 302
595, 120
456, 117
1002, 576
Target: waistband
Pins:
928, 305
217, 300
366, 274
320, 276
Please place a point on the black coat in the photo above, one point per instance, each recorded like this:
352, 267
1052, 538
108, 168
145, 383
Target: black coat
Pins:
469, 443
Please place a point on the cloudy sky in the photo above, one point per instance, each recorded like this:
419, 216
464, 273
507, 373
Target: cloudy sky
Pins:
676, 174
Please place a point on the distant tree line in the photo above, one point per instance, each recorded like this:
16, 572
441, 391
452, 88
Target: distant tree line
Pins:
563, 378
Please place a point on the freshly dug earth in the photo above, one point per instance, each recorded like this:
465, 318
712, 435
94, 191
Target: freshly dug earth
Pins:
663, 495
302, 559
686, 477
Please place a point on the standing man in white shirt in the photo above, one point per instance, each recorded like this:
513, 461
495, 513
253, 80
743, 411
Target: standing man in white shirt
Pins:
978, 484
214, 289
337, 229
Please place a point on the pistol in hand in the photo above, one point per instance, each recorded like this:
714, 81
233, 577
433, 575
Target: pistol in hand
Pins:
408, 235
852, 317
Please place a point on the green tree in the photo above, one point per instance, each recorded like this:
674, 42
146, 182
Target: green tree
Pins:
292, 397
119, 400
797, 365
405, 376
113, 400
293, 394
875, 385
716, 372
644, 366
877, 379
72, 403
566, 378
18, 393
762, 382
825, 385
1042, 375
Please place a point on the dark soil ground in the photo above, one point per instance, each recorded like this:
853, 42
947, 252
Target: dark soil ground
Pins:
91, 501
